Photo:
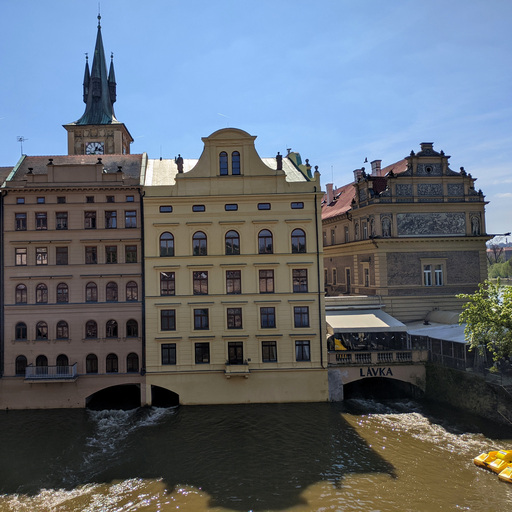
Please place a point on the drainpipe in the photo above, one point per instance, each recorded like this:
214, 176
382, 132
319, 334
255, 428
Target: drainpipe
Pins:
2, 309
143, 279
319, 292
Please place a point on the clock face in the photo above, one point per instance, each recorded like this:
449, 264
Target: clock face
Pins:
94, 148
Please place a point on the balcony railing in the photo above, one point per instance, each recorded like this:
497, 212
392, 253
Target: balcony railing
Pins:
358, 358
51, 373
237, 370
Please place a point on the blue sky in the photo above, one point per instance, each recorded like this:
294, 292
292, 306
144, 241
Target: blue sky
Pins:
337, 80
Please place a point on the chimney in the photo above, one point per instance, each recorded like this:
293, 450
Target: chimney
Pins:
358, 174
376, 167
330, 195
426, 146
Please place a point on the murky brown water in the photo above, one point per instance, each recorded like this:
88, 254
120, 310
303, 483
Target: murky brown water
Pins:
364, 456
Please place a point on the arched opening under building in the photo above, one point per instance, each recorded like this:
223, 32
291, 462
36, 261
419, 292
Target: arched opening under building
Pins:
161, 397
381, 389
123, 397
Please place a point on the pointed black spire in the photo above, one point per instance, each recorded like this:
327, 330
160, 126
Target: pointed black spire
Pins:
87, 78
112, 80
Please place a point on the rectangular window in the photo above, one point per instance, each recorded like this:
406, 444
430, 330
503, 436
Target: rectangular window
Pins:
111, 254
20, 200
40, 200
300, 280
111, 199
298, 205
130, 254
167, 283
263, 206
233, 281
301, 316
41, 256
90, 220
21, 222
302, 351
231, 207
199, 208
347, 236
365, 231
200, 284
427, 275
326, 276
130, 219
234, 318
61, 199
269, 351
41, 220
235, 352
168, 320
165, 209
91, 255
324, 238
61, 220
111, 220
61, 255
201, 321
268, 318
130, 199
202, 353
366, 276
21, 256
168, 353
333, 237
266, 278
89, 199
438, 275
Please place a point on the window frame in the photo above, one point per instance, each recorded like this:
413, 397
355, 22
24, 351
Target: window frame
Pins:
267, 280
167, 284
168, 354
202, 352
302, 350
167, 320
300, 280
233, 282
268, 351
301, 316
267, 317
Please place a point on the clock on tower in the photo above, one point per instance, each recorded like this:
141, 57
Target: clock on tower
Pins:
95, 148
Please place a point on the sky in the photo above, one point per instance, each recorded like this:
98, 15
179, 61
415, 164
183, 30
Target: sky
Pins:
338, 81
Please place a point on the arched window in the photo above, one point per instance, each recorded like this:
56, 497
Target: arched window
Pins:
111, 330
21, 294
132, 292
91, 329
298, 241
62, 364
265, 243
111, 292
132, 329
21, 365
91, 364
199, 244
132, 362
41, 365
62, 330
21, 331
41, 293
41, 331
166, 244
223, 163
112, 363
62, 292
235, 162
91, 292
232, 242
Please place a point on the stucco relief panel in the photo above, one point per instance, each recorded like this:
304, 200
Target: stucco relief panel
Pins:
430, 189
431, 224
403, 189
429, 170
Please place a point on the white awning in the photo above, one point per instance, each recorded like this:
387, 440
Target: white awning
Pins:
363, 320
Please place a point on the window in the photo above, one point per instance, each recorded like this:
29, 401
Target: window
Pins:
130, 254
112, 364
130, 199
302, 352
265, 242
166, 244
41, 331
298, 241
130, 219
201, 319
91, 364
199, 244
61, 255
21, 294
41, 256
111, 199
132, 292
223, 163
168, 320
132, 329
199, 208
365, 231
111, 254
167, 283
61, 199
21, 365
168, 352
89, 220
200, 282
41, 221
232, 242
334, 276
20, 331
268, 318
21, 222
91, 329
235, 163
438, 275
266, 278
427, 275
366, 276
132, 362
300, 280
299, 205
89, 199
41, 365
166, 209
347, 236
333, 237
301, 316
234, 318
62, 362
231, 207
61, 220
62, 293
111, 292
91, 255
41, 294
202, 353
111, 220
324, 238
40, 200
234, 281
235, 352
62, 330
20, 200
111, 329
269, 351
91, 292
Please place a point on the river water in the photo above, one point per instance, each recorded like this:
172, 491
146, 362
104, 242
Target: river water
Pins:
356, 456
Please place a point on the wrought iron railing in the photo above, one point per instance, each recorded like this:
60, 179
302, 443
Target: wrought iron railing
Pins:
64, 372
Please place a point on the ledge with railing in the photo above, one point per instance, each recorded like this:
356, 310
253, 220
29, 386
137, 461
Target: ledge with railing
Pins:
66, 373
356, 358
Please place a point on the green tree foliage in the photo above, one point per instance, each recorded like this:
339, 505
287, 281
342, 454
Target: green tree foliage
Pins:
488, 318
497, 270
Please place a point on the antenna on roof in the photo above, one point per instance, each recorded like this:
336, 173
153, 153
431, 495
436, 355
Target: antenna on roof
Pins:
21, 140
99, 15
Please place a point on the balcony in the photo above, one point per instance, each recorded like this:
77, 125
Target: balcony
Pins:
237, 370
51, 373
358, 358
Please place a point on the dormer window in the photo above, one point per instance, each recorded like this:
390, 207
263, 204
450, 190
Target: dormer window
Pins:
235, 163
224, 168
223, 163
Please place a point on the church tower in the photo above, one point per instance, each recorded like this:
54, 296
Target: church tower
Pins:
98, 132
